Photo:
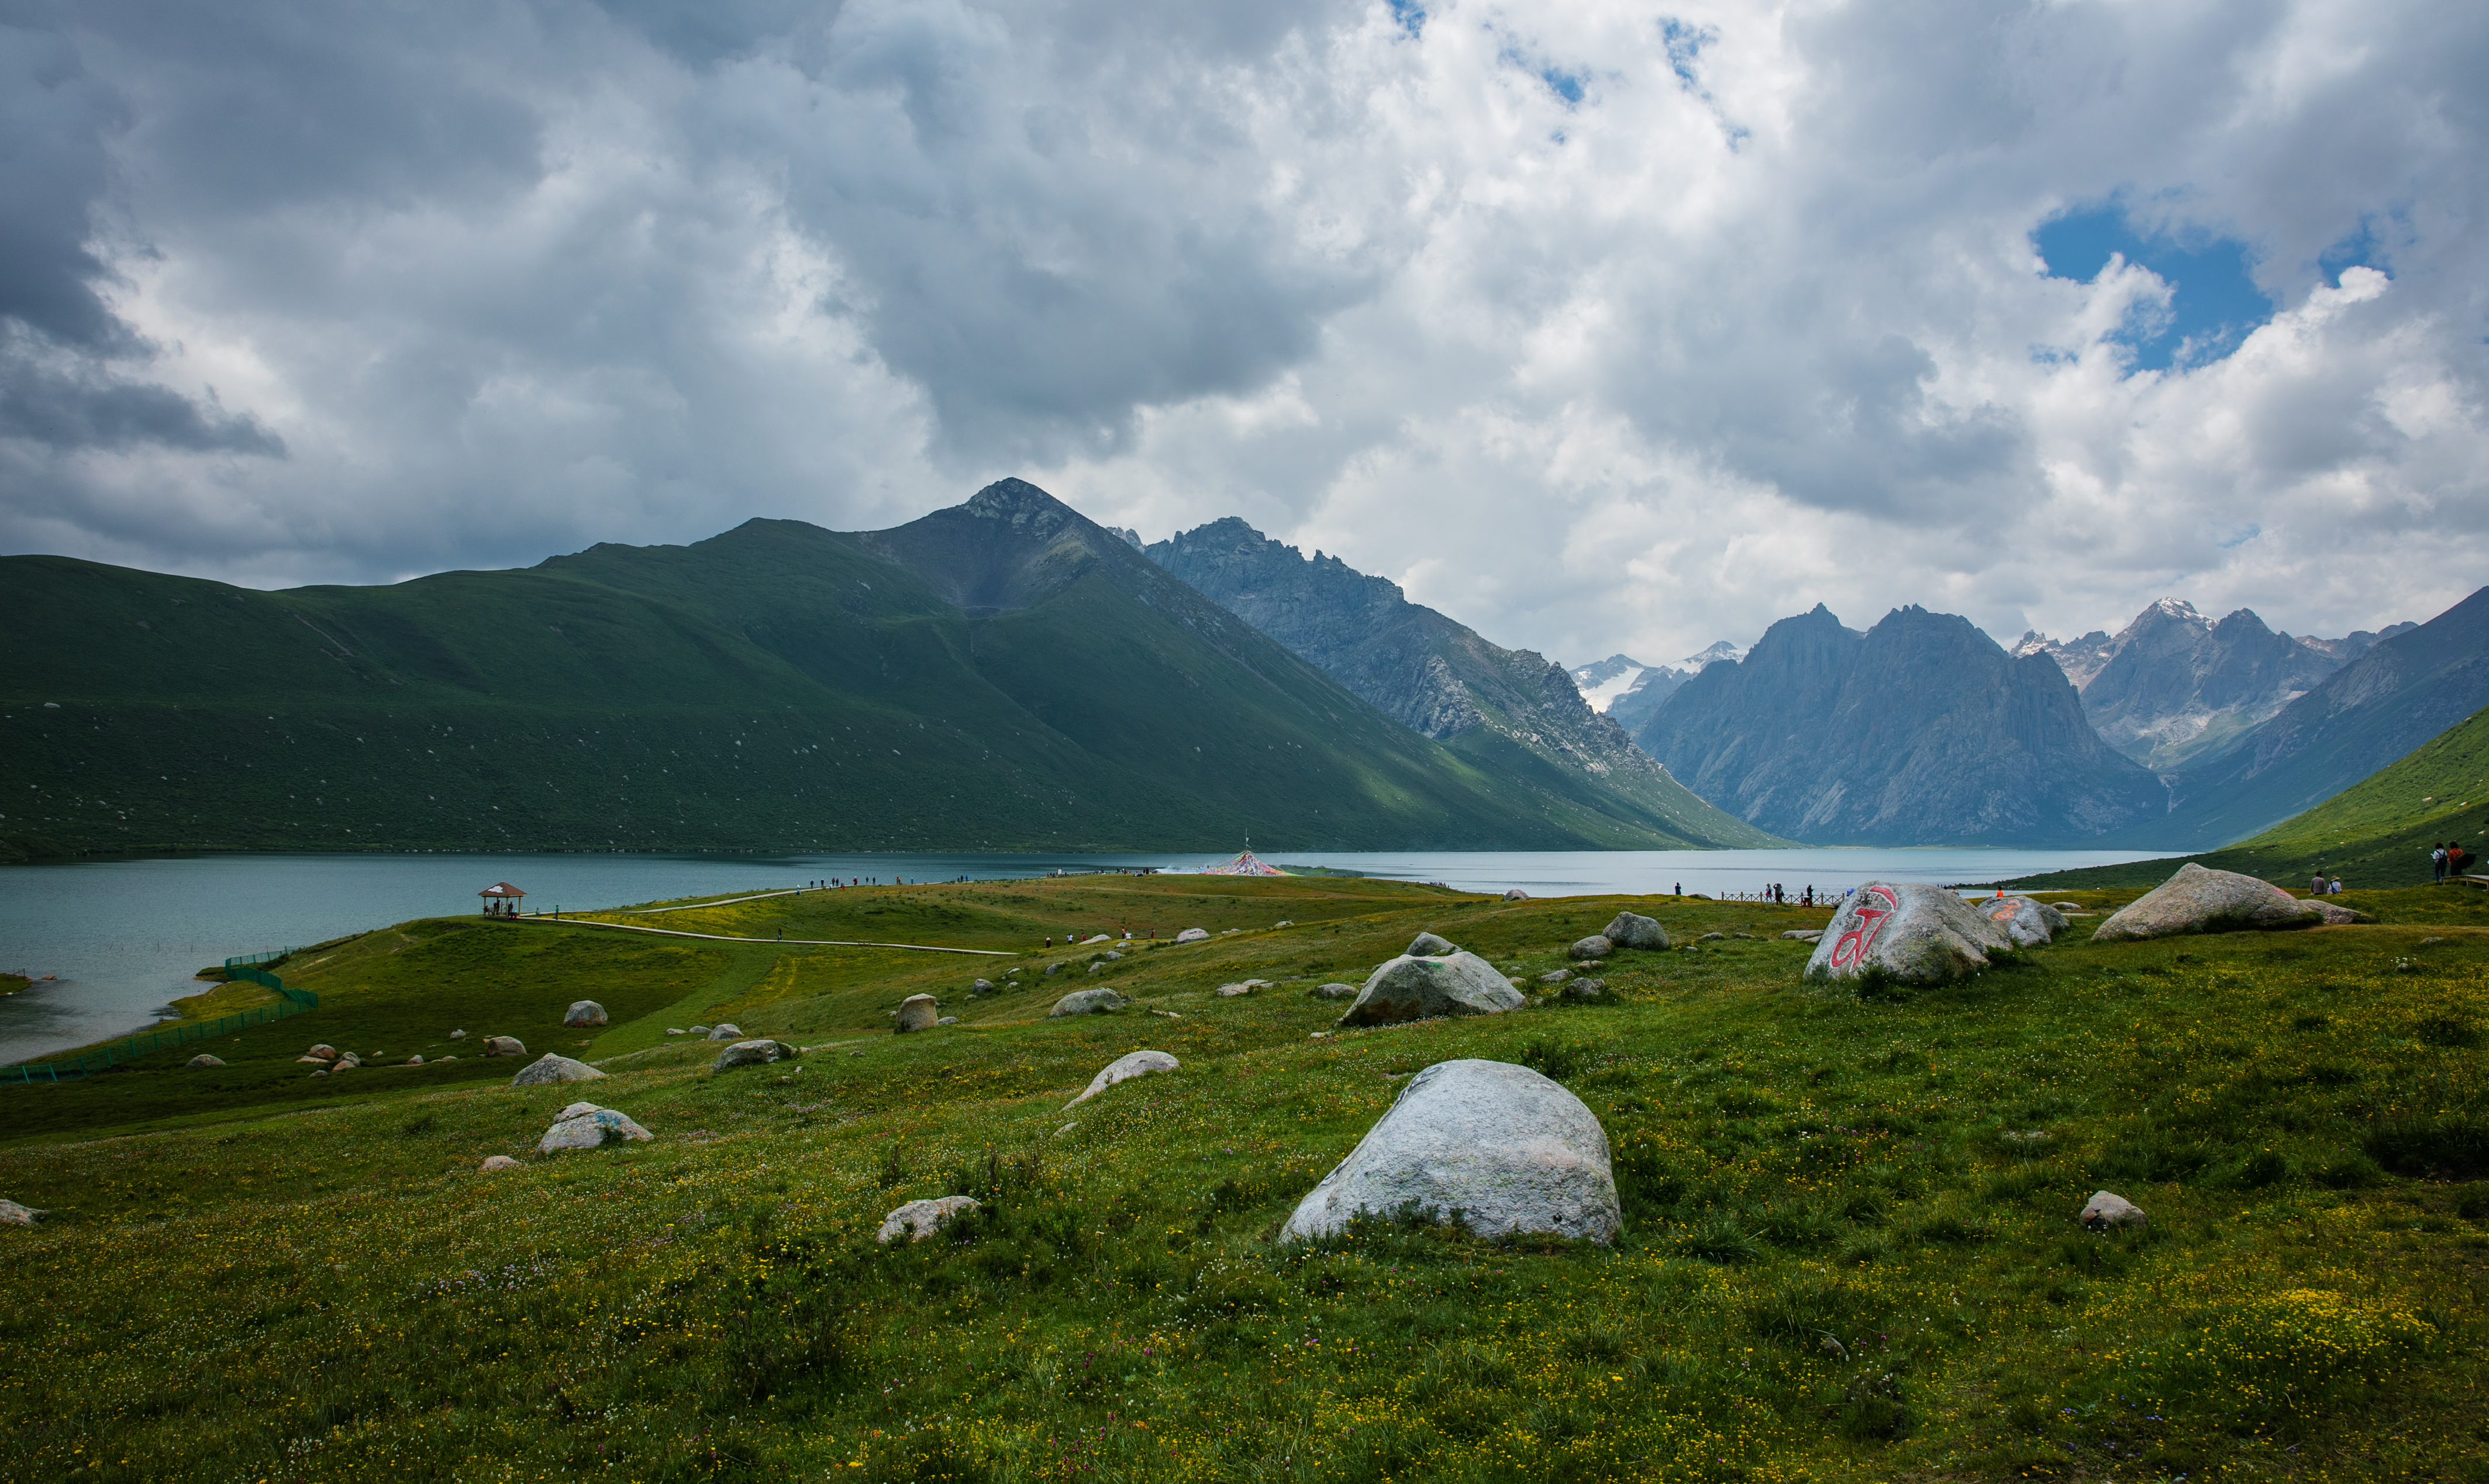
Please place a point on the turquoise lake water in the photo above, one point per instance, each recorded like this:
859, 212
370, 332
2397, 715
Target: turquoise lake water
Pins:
123, 937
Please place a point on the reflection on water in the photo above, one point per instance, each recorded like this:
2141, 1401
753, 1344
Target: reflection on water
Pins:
127, 936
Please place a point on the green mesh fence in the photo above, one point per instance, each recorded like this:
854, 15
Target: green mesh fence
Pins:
289, 1002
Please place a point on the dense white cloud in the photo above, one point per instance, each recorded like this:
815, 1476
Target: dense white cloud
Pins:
1597, 328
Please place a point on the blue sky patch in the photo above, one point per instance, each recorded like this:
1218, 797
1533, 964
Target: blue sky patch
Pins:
1563, 84
2213, 298
1685, 46
1408, 14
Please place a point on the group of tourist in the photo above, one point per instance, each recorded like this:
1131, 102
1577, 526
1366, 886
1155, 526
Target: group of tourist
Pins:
2450, 859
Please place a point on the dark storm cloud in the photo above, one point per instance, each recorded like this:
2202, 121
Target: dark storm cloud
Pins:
64, 355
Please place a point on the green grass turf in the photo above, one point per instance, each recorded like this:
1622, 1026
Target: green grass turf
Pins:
1850, 1250
2377, 832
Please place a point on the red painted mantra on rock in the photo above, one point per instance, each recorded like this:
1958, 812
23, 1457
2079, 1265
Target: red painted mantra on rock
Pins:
1852, 947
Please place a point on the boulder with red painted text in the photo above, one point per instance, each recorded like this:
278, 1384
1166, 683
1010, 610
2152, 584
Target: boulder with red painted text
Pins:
1907, 934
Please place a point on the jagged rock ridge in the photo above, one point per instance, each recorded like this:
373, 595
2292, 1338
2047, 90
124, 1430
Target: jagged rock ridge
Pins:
1439, 676
2174, 686
1922, 730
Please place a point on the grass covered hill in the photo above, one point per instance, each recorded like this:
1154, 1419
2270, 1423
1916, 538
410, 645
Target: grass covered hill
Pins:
1002, 676
1849, 1250
2377, 832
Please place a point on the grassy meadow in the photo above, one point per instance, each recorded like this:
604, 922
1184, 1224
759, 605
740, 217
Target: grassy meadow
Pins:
1851, 1248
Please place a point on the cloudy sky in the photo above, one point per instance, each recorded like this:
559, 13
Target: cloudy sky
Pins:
1600, 327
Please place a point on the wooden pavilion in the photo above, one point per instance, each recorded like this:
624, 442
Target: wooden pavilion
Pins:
500, 899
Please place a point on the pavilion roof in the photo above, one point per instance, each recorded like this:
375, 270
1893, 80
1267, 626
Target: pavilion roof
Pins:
501, 888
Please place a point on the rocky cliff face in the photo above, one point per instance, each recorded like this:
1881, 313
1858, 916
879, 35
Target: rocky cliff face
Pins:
1506, 707
1922, 730
2410, 684
2174, 686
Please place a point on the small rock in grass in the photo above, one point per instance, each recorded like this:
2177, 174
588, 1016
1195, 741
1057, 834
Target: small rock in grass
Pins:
553, 1066
1554, 976
1290, 923
1632, 930
1587, 989
585, 1125
2337, 915
982, 987
322, 1073
416, 1060
1110, 956
1192, 935
919, 1219
1804, 934
505, 1046
753, 1053
1139, 1064
1491, 1145
457, 1035
14, 1215
316, 1061
1713, 937
698, 1030
584, 1013
324, 1051
1595, 946
1087, 1002
1515, 893
948, 1020
721, 1031
1333, 991
1427, 944
2067, 906
2106, 1210
918, 1012
494, 1162
1098, 937
1247, 987
674, 1030
203, 1059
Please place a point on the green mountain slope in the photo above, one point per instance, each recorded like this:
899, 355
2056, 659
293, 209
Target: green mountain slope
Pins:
2377, 833
1001, 675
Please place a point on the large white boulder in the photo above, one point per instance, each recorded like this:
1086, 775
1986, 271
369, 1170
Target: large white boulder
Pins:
1192, 935
919, 1219
1914, 933
505, 1046
753, 1053
2198, 899
1632, 930
1419, 987
1087, 1002
721, 1031
553, 1066
1139, 1064
585, 1125
14, 1215
584, 1013
1494, 1147
918, 1012
2028, 924
2108, 1209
